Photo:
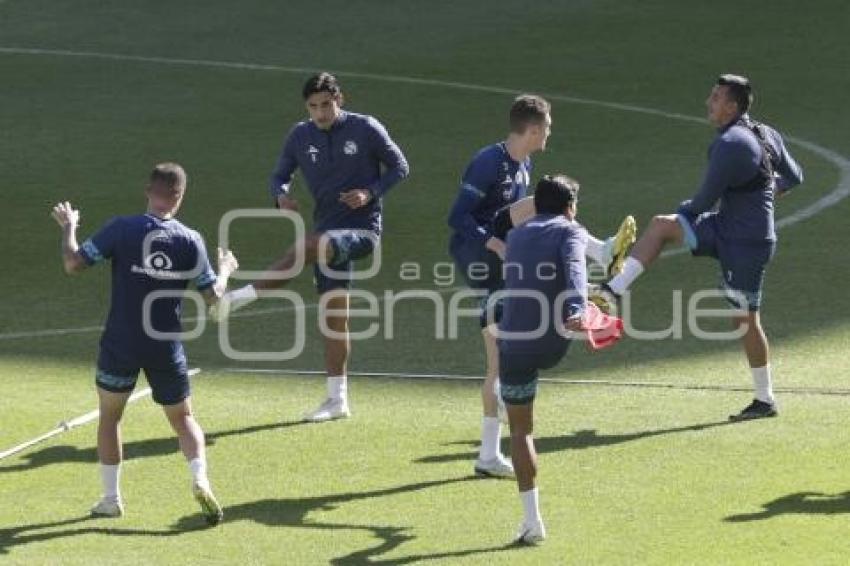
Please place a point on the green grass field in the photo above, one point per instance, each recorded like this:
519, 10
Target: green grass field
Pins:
93, 93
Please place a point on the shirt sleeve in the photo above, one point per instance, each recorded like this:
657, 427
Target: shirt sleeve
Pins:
206, 277
788, 172
572, 253
102, 244
285, 167
390, 155
480, 175
730, 163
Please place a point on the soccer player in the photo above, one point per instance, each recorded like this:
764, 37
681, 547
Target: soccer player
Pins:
349, 163
152, 254
492, 199
546, 257
748, 166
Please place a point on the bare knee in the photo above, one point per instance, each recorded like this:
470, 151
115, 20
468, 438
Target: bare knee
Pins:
179, 415
665, 225
520, 421
317, 248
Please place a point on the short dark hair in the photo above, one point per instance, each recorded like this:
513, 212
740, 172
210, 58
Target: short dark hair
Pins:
171, 175
526, 110
323, 82
739, 89
554, 193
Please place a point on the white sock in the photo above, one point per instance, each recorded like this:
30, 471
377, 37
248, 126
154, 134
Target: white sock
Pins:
490, 435
599, 250
198, 467
632, 269
242, 296
338, 388
530, 505
763, 385
109, 476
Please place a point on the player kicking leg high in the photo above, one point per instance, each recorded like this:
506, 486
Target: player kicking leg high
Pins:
748, 166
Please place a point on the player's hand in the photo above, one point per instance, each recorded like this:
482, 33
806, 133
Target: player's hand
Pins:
355, 198
496, 246
227, 262
285, 202
65, 215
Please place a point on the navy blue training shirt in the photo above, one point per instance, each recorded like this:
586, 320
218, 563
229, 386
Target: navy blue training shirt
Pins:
347, 156
176, 254
492, 180
733, 161
547, 255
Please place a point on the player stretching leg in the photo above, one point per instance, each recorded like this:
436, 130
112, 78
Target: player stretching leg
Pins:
748, 166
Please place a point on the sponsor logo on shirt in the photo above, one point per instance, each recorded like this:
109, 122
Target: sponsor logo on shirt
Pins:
158, 260
157, 265
350, 148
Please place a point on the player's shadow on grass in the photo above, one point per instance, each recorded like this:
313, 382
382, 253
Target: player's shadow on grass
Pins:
41, 532
138, 449
295, 512
804, 502
579, 440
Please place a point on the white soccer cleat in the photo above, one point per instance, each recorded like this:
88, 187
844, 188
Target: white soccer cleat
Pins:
209, 504
530, 533
224, 306
498, 467
108, 507
329, 410
219, 311
232, 301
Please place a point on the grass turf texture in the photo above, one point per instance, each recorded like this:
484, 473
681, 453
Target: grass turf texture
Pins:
87, 130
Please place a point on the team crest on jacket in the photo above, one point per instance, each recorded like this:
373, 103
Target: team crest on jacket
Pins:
350, 148
312, 151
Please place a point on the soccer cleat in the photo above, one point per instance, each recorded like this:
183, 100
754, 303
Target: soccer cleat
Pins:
330, 409
224, 307
755, 410
498, 467
230, 302
604, 298
221, 310
530, 533
108, 507
620, 243
209, 505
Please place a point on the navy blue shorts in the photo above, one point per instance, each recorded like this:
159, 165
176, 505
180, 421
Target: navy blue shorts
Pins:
482, 270
472, 256
518, 372
348, 246
742, 264
168, 379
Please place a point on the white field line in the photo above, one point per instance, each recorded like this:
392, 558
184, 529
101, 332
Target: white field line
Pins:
838, 193
244, 314
605, 382
85, 418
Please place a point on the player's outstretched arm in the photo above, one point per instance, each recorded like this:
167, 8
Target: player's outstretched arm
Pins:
68, 219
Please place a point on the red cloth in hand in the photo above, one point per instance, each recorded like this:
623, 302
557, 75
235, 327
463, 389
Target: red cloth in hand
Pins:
602, 330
